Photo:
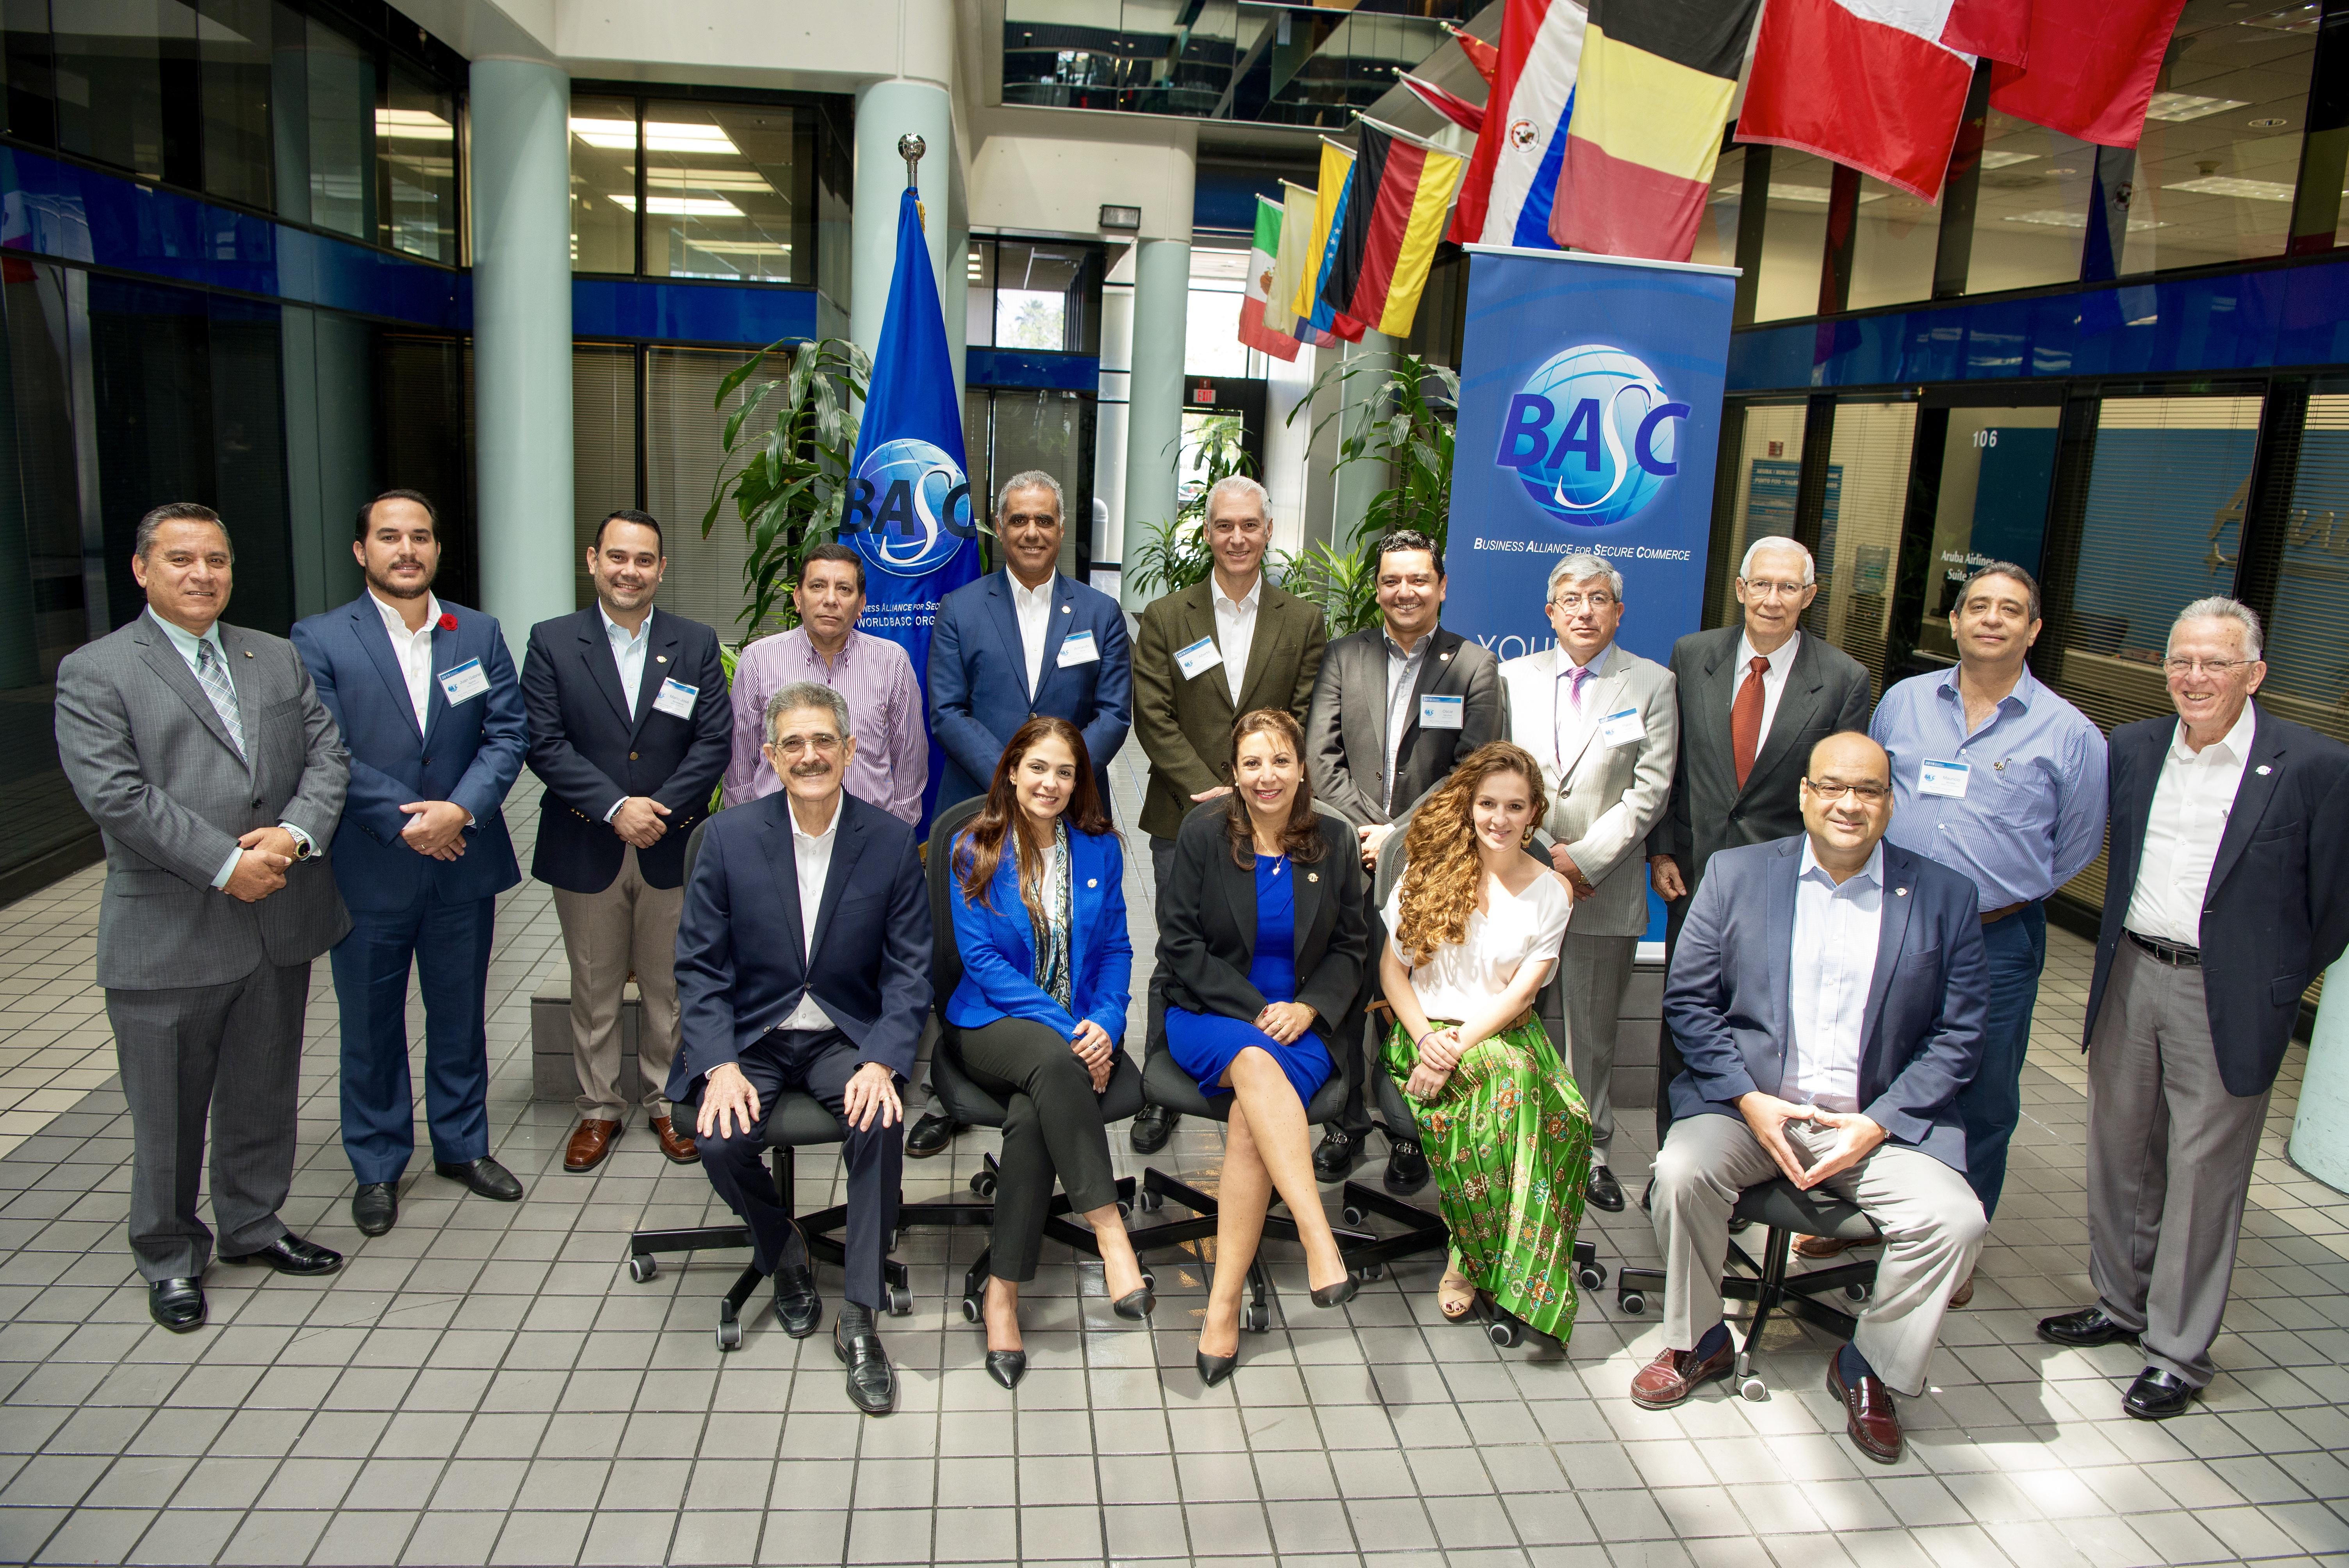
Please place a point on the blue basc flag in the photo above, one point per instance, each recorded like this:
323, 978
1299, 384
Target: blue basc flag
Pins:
908, 511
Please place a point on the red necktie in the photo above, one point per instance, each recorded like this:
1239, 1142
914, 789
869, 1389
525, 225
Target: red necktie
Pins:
1745, 720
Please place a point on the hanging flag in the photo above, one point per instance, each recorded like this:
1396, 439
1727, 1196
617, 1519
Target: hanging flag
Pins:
908, 513
1993, 29
1254, 331
1481, 55
1450, 105
2090, 68
1655, 83
1505, 198
1328, 215
1296, 258
1401, 190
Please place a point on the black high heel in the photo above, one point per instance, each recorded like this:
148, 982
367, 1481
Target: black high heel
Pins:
1213, 1369
1006, 1366
1337, 1295
1135, 1304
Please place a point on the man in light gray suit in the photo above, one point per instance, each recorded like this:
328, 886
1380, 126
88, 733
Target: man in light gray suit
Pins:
217, 777
1605, 725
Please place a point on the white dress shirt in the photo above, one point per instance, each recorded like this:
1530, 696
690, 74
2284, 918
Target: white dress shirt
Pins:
413, 650
1774, 680
1034, 606
629, 651
1837, 930
2190, 804
1236, 630
812, 854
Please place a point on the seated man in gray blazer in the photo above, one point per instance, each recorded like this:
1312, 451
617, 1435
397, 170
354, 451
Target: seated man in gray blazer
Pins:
1396, 707
1828, 994
215, 773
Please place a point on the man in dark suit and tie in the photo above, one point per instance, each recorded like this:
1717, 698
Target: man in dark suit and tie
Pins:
1397, 706
426, 698
1840, 1069
630, 731
1754, 698
804, 964
2227, 893
216, 776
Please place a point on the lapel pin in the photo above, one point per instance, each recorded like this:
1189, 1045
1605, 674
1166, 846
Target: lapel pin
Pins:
1092, 881
248, 653
1313, 876
2262, 770
660, 658
1901, 892
1064, 609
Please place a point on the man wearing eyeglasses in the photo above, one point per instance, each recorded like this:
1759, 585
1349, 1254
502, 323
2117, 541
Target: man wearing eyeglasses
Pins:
2228, 891
1998, 777
1607, 727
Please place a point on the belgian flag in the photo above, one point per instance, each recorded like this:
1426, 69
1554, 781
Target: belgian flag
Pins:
1656, 81
1386, 231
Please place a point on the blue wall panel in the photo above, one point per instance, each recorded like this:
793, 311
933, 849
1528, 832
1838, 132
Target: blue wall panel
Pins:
752, 315
1031, 367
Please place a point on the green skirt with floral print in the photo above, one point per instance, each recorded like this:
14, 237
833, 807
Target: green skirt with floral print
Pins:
1509, 1144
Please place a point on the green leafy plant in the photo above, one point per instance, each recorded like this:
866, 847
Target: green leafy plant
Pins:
1412, 406
788, 470
1343, 583
1177, 556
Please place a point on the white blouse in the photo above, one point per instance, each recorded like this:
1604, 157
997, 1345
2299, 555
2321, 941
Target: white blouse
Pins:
1466, 977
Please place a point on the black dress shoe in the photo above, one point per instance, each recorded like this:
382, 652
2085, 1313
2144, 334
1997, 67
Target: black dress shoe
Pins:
290, 1255
1406, 1166
1213, 1369
1152, 1124
931, 1135
1335, 1157
375, 1206
2089, 1326
177, 1304
1135, 1304
1605, 1191
1338, 1295
484, 1176
2157, 1396
1006, 1366
797, 1307
871, 1382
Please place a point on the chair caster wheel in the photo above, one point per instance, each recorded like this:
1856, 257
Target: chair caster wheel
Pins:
1592, 1276
1754, 1388
1258, 1318
1149, 1280
1150, 1200
982, 1185
1369, 1272
1353, 1216
971, 1309
1124, 1210
729, 1335
1857, 1292
642, 1267
1634, 1302
901, 1301
1504, 1332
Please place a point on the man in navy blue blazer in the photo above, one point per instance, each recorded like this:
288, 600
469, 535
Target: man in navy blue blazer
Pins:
803, 964
425, 695
1828, 994
630, 731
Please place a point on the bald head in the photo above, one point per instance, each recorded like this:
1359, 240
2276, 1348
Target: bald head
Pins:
1846, 800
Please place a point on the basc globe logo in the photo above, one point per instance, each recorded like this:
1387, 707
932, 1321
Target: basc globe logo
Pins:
1592, 435
908, 509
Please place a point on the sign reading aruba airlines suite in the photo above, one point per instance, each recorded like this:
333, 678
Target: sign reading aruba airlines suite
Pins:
1590, 415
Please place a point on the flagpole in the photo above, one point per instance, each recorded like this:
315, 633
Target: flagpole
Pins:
910, 147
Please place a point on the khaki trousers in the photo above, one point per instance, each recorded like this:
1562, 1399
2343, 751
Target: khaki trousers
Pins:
1931, 1221
629, 926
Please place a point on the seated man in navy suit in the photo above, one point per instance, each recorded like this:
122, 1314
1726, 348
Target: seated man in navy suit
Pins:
1829, 994
803, 964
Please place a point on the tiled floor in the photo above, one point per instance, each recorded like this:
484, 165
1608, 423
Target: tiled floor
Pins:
485, 1385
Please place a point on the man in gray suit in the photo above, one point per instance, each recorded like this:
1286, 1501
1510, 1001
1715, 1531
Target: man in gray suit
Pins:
215, 773
1395, 709
1754, 697
1605, 724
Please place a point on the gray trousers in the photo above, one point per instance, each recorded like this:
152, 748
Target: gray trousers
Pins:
628, 928
1597, 970
1931, 1221
182, 1051
2169, 1164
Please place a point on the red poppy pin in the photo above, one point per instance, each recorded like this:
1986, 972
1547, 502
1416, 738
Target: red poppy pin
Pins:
448, 621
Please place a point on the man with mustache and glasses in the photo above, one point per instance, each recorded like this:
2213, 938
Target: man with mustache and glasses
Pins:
425, 695
630, 728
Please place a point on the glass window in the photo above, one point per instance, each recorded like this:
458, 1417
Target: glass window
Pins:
603, 456
603, 184
1793, 236
235, 42
2214, 174
1860, 535
1996, 466
1211, 340
2308, 629
1046, 296
1716, 235
121, 71
1052, 432
341, 89
718, 193
1770, 464
2031, 209
1895, 237
32, 101
424, 405
682, 454
979, 307
415, 129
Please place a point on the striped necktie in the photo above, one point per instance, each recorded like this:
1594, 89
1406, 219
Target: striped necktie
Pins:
213, 673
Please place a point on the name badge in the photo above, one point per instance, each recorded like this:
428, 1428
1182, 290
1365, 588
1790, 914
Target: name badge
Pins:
1442, 712
1947, 779
675, 699
463, 682
1079, 648
1623, 727
1199, 658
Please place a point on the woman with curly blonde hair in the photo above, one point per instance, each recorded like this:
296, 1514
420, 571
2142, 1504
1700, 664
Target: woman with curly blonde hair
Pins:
1476, 924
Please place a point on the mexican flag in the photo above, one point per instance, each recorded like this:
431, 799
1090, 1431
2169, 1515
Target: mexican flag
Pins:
1261, 254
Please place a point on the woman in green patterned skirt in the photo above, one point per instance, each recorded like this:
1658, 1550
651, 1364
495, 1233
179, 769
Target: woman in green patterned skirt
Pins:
1475, 925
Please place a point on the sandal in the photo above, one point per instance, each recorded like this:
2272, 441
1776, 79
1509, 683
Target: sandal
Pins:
1454, 1296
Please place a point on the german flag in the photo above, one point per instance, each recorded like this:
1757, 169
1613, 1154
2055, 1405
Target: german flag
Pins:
1656, 81
1385, 237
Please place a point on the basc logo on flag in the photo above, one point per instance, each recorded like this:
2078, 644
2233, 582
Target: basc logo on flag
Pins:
1592, 435
910, 509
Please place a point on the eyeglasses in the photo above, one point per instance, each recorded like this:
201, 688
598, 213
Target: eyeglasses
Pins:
1570, 602
2178, 665
1763, 588
797, 745
1829, 791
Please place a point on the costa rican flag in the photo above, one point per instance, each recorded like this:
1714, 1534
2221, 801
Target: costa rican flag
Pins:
1513, 177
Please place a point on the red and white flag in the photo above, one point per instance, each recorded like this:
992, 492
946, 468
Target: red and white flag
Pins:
2089, 68
1878, 85
1467, 116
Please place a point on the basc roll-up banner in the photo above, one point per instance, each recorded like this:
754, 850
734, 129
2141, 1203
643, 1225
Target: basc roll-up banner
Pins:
1590, 417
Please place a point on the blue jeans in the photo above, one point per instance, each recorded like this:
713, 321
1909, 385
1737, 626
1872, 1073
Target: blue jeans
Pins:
1992, 1104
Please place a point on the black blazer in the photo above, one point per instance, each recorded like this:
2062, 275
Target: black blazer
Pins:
2277, 909
1206, 923
591, 755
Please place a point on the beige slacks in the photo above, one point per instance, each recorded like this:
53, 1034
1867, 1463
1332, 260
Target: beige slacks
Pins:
629, 926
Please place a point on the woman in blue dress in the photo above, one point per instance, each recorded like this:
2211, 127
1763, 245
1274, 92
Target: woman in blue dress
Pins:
1261, 941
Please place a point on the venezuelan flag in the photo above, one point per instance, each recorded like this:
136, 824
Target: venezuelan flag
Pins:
1383, 245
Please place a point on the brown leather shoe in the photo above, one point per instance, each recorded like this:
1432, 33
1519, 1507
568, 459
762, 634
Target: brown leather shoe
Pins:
1869, 1415
680, 1148
1673, 1375
1817, 1247
1965, 1291
589, 1144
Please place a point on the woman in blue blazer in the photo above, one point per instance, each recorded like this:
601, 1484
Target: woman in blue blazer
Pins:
1040, 921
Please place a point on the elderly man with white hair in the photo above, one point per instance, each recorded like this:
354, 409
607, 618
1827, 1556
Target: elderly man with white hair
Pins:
1606, 724
2227, 893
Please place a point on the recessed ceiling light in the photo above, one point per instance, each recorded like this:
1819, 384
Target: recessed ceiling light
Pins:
2177, 107
1819, 194
2271, 123
2001, 159
2228, 185
2057, 217
620, 136
682, 206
